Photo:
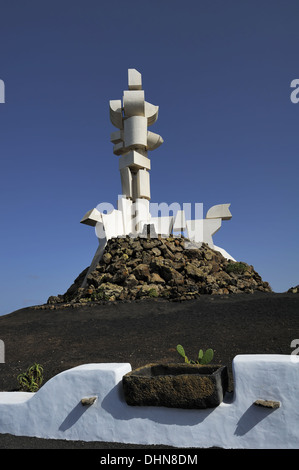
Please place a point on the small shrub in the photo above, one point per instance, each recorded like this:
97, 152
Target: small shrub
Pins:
101, 295
236, 268
152, 293
31, 380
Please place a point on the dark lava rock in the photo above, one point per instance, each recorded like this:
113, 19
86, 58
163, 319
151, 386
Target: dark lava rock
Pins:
176, 385
169, 268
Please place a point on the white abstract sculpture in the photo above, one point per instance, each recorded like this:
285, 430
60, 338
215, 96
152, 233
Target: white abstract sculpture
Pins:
131, 142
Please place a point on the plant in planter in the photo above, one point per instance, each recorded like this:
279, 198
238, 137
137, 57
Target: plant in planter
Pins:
203, 357
194, 384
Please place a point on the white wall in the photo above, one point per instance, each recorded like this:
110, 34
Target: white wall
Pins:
56, 412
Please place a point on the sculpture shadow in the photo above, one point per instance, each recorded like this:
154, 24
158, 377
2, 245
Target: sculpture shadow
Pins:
73, 417
252, 416
115, 404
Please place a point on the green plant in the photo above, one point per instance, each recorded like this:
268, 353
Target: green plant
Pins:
32, 379
237, 267
203, 357
153, 293
101, 295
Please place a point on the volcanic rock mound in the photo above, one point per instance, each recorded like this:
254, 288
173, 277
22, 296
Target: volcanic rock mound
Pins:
170, 268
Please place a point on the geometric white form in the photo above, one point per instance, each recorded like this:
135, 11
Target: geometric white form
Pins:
179, 224
151, 113
132, 118
133, 103
143, 184
219, 211
140, 214
153, 140
116, 113
202, 230
132, 141
91, 217
135, 160
134, 79
134, 177
195, 230
210, 227
126, 182
163, 225
113, 224
117, 137
124, 205
118, 148
135, 132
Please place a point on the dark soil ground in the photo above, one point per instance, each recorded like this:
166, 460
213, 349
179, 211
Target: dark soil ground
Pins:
141, 332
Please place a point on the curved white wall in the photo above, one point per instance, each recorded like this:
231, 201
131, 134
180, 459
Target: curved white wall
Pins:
56, 411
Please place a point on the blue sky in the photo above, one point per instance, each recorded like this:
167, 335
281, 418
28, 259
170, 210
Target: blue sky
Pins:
220, 72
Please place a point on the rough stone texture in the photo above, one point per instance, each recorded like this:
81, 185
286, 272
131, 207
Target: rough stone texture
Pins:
267, 403
88, 401
135, 268
294, 290
176, 385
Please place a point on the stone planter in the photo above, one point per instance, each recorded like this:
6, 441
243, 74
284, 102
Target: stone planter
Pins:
176, 385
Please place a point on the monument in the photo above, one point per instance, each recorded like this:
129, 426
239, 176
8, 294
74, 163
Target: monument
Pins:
132, 141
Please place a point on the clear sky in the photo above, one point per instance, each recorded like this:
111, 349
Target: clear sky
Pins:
220, 71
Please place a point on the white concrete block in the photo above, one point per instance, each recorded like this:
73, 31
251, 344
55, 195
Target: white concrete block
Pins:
124, 205
135, 132
179, 224
126, 182
134, 79
210, 227
134, 185
135, 160
153, 140
116, 117
113, 224
91, 218
143, 184
219, 211
151, 113
141, 214
133, 103
195, 230
119, 149
117, 137
163, 225
202, 230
